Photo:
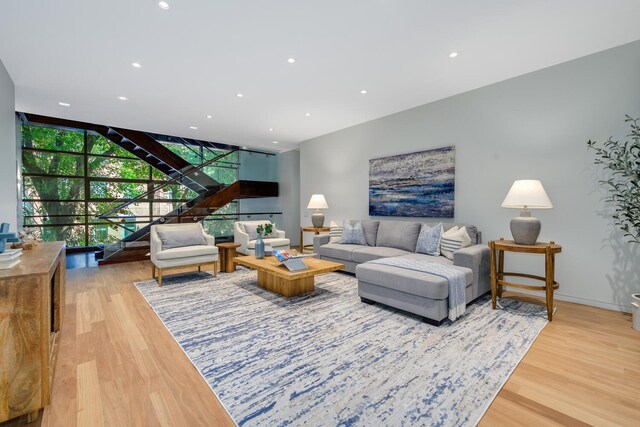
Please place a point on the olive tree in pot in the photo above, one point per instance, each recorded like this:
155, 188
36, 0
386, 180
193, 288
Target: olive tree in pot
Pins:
622, 160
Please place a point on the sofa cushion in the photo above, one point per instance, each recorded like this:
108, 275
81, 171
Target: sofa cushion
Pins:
251, 228
339, 250
275, 243
370, 229
177, 236
375, 252
472, 230
398, 234
429, 240
187, 252
352, 233
410, 281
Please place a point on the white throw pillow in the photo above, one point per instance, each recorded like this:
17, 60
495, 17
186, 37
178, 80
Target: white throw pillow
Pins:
454, 239
335, 232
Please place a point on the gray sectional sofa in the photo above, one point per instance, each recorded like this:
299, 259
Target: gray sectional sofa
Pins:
414, 291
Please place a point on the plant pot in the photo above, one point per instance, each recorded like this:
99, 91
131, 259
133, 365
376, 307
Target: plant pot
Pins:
635, 307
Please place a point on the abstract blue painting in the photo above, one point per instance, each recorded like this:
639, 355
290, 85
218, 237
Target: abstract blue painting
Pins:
418, 184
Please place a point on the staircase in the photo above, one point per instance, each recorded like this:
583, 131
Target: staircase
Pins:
211, 194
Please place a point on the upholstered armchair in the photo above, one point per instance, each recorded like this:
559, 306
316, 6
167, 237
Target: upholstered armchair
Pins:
181, 245
244, 232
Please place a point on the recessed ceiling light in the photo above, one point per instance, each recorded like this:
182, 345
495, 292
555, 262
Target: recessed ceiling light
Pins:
453, 54
193, 127
363, 91
291, 60
136, 65
123, 98
307, 114
64, 104
270, 129
163, 5
209, 116
239, 95
275, 142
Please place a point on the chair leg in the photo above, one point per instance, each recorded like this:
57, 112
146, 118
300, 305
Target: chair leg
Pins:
160, 277
215, 268
199, 268
153, 270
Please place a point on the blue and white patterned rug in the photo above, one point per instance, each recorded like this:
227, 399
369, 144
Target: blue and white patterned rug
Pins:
326, 358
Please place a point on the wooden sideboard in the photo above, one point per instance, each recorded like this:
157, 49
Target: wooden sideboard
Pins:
31, 310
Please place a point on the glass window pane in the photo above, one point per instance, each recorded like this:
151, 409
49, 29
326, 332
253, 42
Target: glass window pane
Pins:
38, 162
98, 144
218, 228
44, 208
48, 188
116, 190
52, 139
118, 168
73, 235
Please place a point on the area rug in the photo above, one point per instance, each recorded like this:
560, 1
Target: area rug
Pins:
326, 358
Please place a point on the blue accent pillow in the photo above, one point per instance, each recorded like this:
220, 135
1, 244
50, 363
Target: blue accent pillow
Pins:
353, 234
429, 240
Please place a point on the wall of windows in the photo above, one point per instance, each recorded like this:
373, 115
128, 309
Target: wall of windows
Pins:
70, 176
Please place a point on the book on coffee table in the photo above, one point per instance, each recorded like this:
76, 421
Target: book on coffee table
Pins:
292, 262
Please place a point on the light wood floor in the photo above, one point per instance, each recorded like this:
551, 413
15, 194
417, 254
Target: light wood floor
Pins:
118, 366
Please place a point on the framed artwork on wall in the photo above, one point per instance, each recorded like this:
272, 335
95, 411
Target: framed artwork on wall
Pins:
418, 184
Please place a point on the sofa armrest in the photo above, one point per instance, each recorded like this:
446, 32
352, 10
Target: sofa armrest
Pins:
281, 234
319, 240
478, 259
211, 241
242, 238
155, 245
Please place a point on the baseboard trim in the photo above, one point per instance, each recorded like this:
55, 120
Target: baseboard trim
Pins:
583, 301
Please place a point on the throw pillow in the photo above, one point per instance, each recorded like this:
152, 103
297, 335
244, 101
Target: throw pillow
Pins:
429, 240
353, 234
252, 231
454, 239
335, 232
178, 237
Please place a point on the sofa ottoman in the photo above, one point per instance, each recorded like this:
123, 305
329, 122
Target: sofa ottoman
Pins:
414, 291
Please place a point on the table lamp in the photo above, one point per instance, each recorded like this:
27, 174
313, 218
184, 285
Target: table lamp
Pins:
526, 194
317, 202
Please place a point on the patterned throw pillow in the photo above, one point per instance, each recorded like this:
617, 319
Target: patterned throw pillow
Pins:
353, 234
429, 240
335, 232
454, 239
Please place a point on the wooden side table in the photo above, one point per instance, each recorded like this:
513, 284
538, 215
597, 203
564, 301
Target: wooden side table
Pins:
549, 250
315, 231
227, 252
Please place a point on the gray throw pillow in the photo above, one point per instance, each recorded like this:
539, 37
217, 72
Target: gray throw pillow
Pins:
252, 231
352, 233
429, 240
178, 237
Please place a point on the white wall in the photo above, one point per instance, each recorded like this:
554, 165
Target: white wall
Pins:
533, 126
8, 168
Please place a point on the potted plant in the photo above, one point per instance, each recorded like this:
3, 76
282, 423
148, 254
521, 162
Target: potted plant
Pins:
265, 230
622, 160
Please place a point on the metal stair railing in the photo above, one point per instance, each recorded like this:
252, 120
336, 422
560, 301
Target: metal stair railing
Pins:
174, 180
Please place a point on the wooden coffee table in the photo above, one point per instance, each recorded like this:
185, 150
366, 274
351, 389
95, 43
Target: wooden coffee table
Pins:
278, 279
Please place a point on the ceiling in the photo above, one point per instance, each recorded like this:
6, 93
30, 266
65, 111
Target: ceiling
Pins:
198, 55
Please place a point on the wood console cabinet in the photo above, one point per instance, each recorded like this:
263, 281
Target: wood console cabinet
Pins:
31, 310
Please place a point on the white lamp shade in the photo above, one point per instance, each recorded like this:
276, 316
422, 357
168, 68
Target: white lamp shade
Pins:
317, 202
527, 193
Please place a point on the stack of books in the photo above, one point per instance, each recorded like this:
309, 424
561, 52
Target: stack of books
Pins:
10, 258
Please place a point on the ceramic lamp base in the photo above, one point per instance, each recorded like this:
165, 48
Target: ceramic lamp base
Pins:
317, 219
525, 230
